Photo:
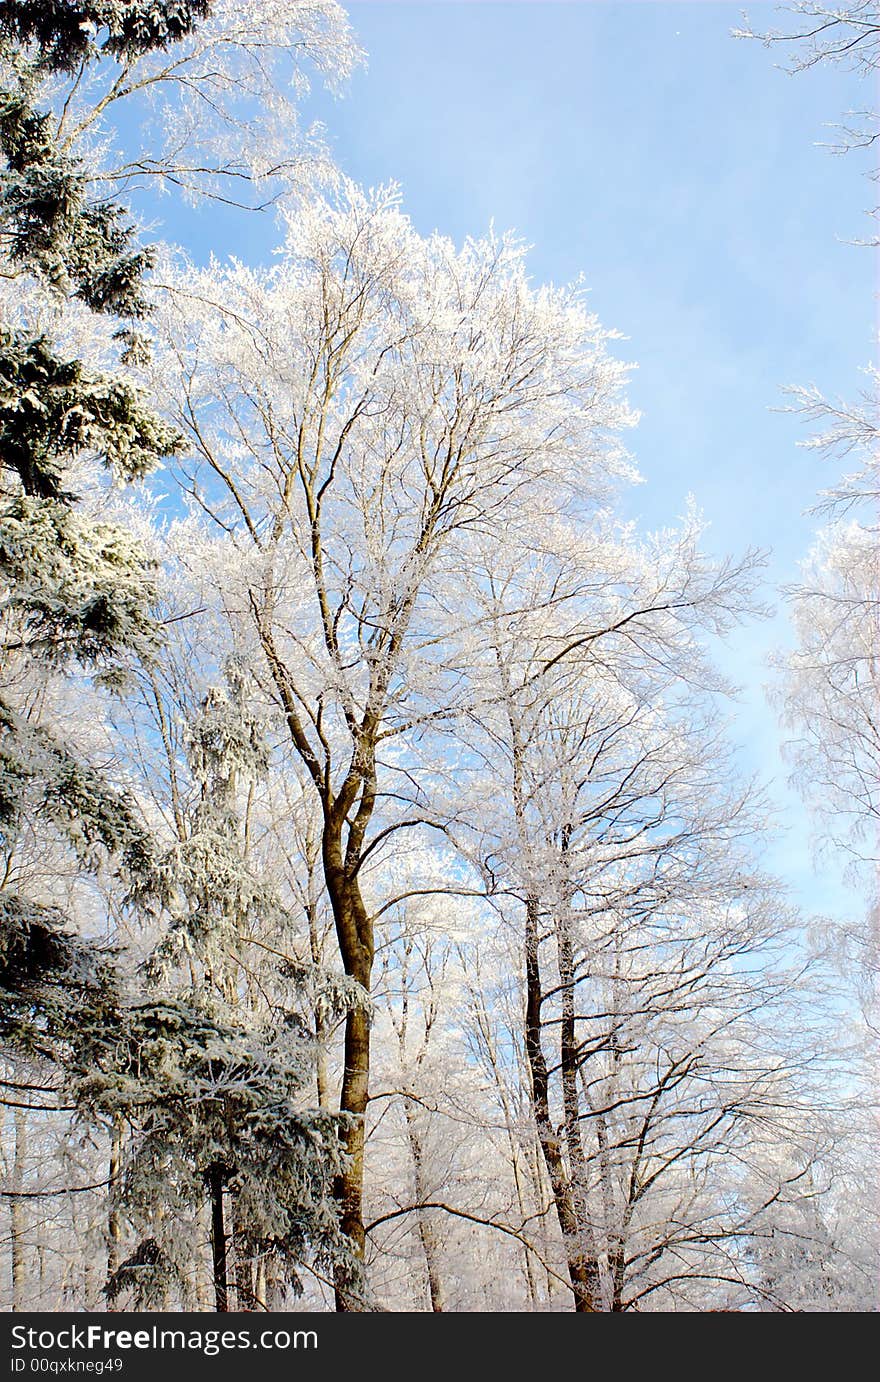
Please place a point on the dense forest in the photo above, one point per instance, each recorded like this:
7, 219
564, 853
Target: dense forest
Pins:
384, 916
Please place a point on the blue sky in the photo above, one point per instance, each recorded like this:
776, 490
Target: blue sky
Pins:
678, 169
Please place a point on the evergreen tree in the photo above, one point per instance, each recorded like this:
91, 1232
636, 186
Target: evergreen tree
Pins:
205, 1082
75, 591
201, 1097
66, 34
213, 1115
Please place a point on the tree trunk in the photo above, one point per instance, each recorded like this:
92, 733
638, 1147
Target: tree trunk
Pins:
260, 1290
613, 1234
203, 1270
114, 1227
543, 1196
346, 818
427, 1235
354, 930
215, 1180
17, 1214
579, 1272
348, 1185
568, 1062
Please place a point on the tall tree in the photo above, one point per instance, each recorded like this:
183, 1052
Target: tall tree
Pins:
627, 843
77, 589
353, 416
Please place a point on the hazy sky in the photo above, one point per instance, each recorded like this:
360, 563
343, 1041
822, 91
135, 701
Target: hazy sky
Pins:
638, 143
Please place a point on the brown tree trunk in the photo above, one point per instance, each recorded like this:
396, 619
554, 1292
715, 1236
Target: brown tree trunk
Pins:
581, 1271
354, 930
215, 1178
114, 1227
348, 1185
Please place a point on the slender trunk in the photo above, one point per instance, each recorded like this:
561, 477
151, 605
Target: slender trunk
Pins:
17, 1213
215, 1179
427, 1235
346, 817
203, 1268
523, 1216
568, 1062
260, 1286
578, 1265
543, 1196
611, 1228
322, 1077
114, 1225
579, 1269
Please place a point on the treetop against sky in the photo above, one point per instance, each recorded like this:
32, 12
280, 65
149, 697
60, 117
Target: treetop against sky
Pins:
687, 176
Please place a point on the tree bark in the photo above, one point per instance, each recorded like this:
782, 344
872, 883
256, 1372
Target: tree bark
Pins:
568, 1062
260, 1290
114, 1226
215, 1178
427, 1236
354, 929
579, 1271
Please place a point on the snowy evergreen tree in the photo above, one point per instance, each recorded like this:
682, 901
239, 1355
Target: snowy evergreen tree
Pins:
75, 591
67, 34
204, 1086
78, 604
214, 1115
